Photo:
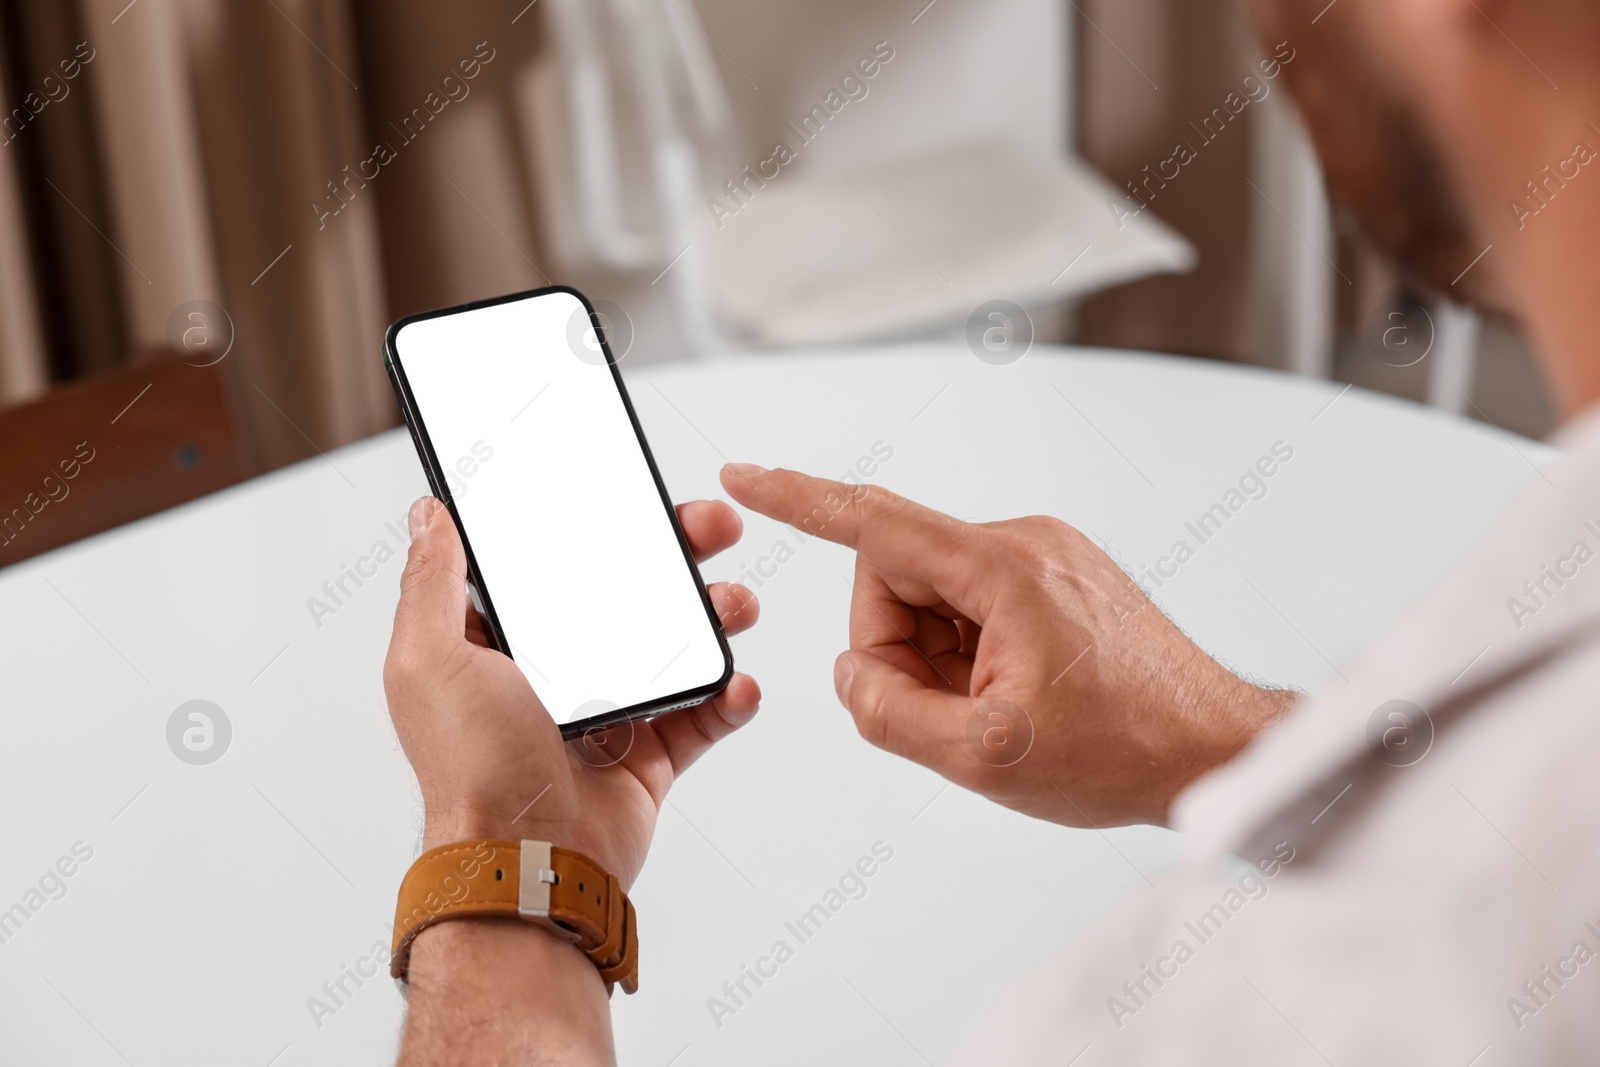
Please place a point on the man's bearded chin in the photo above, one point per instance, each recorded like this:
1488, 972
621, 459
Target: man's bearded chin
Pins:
1380, 161
1397, 187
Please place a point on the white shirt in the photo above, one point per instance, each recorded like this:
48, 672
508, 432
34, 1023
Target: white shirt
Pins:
1401, 910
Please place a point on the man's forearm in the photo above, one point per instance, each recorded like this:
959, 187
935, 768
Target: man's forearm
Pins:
501, 991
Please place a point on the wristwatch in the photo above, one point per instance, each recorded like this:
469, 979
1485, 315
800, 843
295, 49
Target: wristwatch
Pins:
560, 889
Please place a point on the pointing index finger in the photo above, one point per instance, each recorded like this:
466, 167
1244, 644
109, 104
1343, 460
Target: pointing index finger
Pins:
897, 534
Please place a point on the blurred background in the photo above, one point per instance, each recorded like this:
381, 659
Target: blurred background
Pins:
210, 211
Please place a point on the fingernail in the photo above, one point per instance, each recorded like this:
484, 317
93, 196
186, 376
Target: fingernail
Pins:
744, 470
844, 672
421, 512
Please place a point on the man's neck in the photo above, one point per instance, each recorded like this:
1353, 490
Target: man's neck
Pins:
1537, 205
1559, 279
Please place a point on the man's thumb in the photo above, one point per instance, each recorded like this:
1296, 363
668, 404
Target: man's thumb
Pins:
897, 713
433, 589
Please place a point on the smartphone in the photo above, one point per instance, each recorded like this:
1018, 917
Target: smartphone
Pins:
575, 557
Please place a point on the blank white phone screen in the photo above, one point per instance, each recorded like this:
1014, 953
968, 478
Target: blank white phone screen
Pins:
571, 537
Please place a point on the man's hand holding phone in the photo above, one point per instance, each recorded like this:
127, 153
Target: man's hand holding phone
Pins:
491, 762
492, 765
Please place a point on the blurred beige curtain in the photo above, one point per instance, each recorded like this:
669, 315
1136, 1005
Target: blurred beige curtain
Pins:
209, 150
22, 353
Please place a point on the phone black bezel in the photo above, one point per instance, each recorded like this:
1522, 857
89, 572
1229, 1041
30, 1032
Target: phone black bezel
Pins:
441, 489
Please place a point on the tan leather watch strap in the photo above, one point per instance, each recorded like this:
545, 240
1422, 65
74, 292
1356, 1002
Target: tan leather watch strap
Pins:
531, 880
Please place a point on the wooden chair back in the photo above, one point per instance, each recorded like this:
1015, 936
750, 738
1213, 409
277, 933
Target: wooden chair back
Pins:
110, 448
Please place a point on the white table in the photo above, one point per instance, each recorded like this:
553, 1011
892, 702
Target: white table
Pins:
220, 898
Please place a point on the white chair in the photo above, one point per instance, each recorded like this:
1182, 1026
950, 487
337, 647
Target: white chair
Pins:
674, 93
849, 248
1456, 333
